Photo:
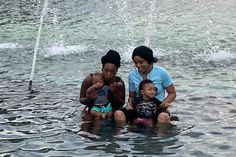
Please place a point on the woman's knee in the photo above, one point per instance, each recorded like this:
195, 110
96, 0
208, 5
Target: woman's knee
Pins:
119, 115
163, 117
86, 116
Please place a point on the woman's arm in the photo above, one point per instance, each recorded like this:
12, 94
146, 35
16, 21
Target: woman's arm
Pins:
170, 96
132, 96
118, 92
85, 97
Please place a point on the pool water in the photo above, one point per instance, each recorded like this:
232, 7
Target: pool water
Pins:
195, 40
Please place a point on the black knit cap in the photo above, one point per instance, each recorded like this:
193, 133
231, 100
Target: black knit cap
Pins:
145, 53
111, 57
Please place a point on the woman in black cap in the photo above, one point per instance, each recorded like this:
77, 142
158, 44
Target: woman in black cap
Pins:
110, 64
144, 69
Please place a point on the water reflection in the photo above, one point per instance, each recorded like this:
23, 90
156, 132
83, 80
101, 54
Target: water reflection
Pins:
131, 139
48, 122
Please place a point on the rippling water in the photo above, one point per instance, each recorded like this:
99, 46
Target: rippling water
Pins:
194, 40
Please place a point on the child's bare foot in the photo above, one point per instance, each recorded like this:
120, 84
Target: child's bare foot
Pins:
104, 115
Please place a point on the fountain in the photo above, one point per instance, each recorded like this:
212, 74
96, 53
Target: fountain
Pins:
37, 44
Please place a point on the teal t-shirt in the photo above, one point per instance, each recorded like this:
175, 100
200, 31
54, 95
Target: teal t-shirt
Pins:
158, 75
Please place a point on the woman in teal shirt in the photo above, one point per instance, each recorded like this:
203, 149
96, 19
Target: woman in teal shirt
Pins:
144, 69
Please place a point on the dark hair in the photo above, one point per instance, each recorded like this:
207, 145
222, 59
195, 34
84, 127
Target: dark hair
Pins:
145, 53
111, 57
142, 83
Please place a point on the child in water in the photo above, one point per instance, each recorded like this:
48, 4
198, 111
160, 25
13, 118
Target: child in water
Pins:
147, 104
101, 108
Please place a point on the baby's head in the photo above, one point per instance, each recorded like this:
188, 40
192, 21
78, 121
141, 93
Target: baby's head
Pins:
147, 89
97, 79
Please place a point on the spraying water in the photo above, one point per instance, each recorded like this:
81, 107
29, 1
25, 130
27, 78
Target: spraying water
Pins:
211, 45
37, 43
122, 5
150, 23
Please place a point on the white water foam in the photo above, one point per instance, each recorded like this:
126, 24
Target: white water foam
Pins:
61, 49
126, 53
9, 45
219, 56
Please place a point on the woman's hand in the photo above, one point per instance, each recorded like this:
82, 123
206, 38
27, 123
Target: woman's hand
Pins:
116, 86
165, 105
129, 106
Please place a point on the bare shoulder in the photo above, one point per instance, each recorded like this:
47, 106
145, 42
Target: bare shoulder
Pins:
88, 78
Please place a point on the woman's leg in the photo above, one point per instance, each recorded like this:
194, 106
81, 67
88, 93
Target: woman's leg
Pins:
86, 114
96, 114
119, 117
122, 116
163, 117
109, 114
